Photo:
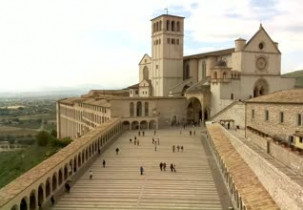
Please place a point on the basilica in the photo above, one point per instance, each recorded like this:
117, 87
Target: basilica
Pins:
176, 89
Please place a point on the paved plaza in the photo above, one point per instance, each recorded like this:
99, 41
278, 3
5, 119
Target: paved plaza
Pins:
120, 186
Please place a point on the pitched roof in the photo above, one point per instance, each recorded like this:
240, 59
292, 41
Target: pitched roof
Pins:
284, 96
212, 53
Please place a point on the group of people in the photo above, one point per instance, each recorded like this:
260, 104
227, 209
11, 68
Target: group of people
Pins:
178, 148
139, 133
136, 141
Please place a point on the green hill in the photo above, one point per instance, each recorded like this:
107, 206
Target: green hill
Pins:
298, 75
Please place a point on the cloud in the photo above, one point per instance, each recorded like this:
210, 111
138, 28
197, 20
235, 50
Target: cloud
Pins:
74, 42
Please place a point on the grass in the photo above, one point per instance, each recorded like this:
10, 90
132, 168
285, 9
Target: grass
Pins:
15, 163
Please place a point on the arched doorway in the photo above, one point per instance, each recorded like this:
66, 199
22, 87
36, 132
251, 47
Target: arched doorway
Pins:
143, 125
47, 188
135, 125
261, 88
23, 204
125, 125
32, 200
194, 111
40, 194
152, 124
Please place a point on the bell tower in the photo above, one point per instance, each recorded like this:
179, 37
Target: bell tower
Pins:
167, 53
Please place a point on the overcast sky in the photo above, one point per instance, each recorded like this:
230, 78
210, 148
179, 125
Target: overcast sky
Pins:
66, 43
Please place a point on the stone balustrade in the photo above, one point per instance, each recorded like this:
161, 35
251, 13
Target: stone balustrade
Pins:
37, 186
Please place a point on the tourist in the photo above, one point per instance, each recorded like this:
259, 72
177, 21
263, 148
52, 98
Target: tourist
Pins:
182, 148
164, 166
143, 133
161, 165
141, 170
67, 187
138, 142
178, 148
153, 141
190, 132
90, 174
174, 167
135, 142
171, 167
52, 200
104, 163
139, 133
130, 140
135, 137
117, 151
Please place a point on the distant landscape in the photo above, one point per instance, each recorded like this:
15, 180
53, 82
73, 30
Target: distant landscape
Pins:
298, 75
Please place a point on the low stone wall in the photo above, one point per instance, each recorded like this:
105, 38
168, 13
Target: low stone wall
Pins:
286, 192
279, 152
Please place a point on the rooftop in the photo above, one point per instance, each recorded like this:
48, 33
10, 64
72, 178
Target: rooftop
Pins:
284, 96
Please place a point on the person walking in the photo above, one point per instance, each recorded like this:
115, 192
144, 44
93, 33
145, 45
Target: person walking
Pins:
164, 166
135, 142
153, 141
182, 148
139, 133
141, 170
90, 174
130, 140
161, 165
104, 163
117, 151
171, 167
190, 132
178, 148
138, 142
143, 133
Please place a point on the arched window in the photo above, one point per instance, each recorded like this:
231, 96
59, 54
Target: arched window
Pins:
215, 75
47, 188
54, 186
32, 200
131, 109
167, 25
224, 75
139, 109
160, 25
186, 72
173, 25
146, 112
178, 26
145, 73
157, 26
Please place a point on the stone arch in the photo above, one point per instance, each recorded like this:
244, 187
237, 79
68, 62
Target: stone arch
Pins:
47, 187
224, 75
167, 25
40, 194
54, 182
261, 87
75, 163
173, 25
145, 73
184, 90
152, 124
178, 26
125, 125
144, 124
139, 109
23, 203
32, 200
194, 111
65, 171
135, 125
60, 177
146, 109
215, 75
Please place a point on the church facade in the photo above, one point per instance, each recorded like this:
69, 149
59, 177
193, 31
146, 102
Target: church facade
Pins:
178, 89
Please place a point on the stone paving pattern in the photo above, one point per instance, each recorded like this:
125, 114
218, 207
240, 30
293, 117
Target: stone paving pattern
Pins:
120, 186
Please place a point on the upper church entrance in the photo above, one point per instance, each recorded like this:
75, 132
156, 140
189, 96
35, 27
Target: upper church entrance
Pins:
261, 88
194, 111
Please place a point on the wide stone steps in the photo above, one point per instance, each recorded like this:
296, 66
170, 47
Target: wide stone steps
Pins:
120, 186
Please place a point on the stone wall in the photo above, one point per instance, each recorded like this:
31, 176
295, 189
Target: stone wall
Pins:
236, 111
278, 151
286, 192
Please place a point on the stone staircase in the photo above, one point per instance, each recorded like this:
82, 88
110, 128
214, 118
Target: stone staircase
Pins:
120, 186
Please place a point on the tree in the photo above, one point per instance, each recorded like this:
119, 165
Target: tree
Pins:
43, 138
54, 133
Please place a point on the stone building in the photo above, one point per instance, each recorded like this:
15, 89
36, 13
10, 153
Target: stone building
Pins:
277, 115
180, 89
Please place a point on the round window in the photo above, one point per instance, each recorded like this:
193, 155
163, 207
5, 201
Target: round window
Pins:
261, 45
